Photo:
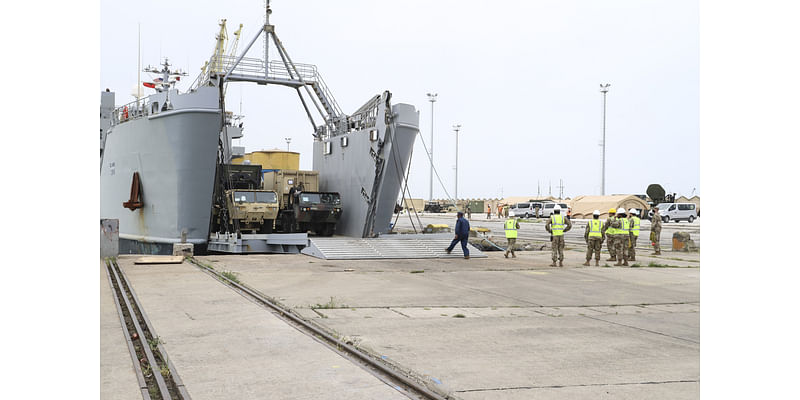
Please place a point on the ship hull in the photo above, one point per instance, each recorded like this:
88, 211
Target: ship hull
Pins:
369, 170
174, 153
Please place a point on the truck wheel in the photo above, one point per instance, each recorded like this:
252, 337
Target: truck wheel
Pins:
266, 227
691, 219
666, 220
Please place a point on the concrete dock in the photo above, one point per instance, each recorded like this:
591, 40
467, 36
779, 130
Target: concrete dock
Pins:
490, 328
225, 346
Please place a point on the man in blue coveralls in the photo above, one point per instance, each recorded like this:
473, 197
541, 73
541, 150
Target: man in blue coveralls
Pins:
462, 235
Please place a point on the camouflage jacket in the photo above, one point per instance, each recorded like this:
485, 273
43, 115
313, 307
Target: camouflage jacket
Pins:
655, 222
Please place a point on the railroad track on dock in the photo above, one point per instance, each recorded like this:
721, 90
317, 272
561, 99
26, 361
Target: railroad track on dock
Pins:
384, 371
157, 377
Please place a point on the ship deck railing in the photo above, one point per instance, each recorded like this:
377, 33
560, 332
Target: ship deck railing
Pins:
275, 72
136, 109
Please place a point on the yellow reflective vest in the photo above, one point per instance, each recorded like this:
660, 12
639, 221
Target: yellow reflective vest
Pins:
595, 228
610, 230
624, 227
557, 224
635, 221
511, 228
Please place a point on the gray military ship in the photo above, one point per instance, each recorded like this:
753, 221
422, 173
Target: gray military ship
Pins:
158, 160
159, 154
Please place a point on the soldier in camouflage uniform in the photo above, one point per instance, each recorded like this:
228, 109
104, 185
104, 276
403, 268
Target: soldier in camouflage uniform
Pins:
594, 238
609, 233
623, 237
655, 231
557, 225
635, 223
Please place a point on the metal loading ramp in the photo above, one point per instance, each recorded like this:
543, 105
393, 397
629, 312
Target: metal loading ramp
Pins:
386, 247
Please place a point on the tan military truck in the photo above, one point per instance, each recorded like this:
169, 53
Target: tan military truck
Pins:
302, 206
253, 211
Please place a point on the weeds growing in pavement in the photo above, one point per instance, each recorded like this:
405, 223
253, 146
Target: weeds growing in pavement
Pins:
656, 265
154, 343
230, 275
200, 263
330, 304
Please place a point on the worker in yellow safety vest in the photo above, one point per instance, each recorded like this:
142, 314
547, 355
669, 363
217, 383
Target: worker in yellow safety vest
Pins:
557, 225
610, 233
594, 238
511, 226
622, 240
635, 223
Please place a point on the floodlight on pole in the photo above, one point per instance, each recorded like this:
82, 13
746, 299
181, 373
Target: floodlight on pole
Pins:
288, 140
456, 128
432, 99
604, 90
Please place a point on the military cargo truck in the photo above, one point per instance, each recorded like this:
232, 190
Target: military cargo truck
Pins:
302, 207
253, 211
240, 205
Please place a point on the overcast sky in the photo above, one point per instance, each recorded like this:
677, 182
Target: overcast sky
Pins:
521, 77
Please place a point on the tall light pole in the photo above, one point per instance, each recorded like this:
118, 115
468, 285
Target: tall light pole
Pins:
456, 128
288, 139
604, 90
432, 99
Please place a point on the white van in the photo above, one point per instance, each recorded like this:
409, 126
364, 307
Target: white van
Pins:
524, 210
547, 209
676, 212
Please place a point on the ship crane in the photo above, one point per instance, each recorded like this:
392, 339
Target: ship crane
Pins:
304, 78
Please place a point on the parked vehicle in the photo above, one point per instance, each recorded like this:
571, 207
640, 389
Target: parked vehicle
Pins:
676, 212
521, 210
302, 207
526, 209
433, 207
252, 211
547, 209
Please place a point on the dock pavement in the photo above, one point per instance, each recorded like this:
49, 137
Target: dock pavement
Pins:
492, 328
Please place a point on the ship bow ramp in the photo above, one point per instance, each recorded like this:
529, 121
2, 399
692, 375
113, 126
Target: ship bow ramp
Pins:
367, 165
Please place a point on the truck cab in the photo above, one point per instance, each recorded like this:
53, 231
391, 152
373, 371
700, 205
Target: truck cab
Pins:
318, 212
251, 210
